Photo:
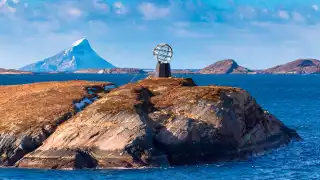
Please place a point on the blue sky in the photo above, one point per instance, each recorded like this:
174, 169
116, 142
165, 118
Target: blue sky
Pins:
256, 33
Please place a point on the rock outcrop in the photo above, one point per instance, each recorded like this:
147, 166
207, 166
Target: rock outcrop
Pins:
160, 122
227, 66
30, 113
300, 66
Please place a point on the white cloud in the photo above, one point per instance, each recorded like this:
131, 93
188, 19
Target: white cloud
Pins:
5, 8
246, 12
152, 12
315, 7
287, 41
186, 33
120, 8
101, 5
11, 9
3, 2
74, 12
98, 28
283, 14
16, 1
181, 24
297, 17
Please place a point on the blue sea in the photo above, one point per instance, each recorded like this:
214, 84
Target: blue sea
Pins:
294, 99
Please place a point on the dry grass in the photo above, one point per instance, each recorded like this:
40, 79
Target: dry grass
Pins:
120, 100
163, 92
31, 106
153, 83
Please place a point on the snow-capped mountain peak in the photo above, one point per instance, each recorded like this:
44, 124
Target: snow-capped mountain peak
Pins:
80, 41
77, 57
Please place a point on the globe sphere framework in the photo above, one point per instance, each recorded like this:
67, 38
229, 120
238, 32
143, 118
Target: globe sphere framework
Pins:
163, 53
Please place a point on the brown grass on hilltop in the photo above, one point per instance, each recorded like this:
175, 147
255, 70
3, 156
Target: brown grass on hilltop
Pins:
32, 106
163, 93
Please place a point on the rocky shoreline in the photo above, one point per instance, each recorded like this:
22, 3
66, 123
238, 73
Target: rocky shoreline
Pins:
151, 123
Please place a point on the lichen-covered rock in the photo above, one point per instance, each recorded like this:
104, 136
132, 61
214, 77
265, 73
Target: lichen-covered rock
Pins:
30, 113
162, 122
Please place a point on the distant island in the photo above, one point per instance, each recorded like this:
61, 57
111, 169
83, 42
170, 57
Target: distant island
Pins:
13, 71
299, 66
227, 66
78, 56
81, 58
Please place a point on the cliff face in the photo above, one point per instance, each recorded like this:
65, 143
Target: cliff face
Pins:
161, 122
30, 113
228, 66
300, 66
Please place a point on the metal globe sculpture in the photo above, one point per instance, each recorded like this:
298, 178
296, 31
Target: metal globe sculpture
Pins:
163, 54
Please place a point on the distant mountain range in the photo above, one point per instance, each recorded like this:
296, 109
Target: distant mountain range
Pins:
77, 57
81, 58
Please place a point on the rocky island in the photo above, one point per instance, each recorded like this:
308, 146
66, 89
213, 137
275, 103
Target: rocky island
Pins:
299, 66
154, 122
13, 71
227, 66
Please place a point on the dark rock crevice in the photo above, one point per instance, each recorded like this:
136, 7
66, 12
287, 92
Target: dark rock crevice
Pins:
83, 159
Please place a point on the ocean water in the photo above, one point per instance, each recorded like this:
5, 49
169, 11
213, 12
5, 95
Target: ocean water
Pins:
294, 99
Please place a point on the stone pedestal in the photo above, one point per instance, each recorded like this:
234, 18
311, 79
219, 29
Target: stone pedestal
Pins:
163, 70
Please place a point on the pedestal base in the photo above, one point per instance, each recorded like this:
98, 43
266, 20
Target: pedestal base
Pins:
163, 70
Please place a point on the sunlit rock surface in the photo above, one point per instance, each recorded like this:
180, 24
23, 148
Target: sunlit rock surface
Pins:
30, 113
161, 122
